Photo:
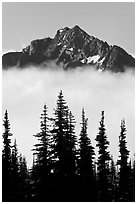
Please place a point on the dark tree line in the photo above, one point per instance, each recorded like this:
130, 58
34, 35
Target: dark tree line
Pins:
64, 166
15, 176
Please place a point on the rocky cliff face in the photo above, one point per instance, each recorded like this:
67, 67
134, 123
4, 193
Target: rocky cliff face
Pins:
71, 48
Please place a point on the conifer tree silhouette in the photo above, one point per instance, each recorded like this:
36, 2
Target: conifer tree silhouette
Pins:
86, 169
64, 168
12, 177
70, 145
131, 190
24, 177
64, 147
132, 181
124, 166
112, 179
60, 127
86, 150
15, 173
70, 158
102, 163
6, 160
43, 154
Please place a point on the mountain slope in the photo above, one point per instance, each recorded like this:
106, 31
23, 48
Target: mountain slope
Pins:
71, 48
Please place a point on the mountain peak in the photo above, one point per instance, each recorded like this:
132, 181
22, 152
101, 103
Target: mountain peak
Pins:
63, 29
71, 47
76, 27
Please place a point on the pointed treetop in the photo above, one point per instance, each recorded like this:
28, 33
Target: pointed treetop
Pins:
83, 110
6, 114
102, 112
123, 122
102, 118
60, 93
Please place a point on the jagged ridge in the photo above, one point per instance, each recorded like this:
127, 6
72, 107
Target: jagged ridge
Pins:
71, 48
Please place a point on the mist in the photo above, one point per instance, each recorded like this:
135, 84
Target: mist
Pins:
24, 93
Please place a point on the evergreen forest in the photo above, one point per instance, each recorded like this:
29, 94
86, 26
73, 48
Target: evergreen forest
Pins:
64, 167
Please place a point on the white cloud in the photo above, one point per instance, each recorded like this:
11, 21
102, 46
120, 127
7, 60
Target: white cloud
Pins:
26, 91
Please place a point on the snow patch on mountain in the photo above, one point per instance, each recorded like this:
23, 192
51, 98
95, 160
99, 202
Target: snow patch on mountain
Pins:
101, 61
94, 59
61, 30
100, 69
83, 60
64, 37
71, 49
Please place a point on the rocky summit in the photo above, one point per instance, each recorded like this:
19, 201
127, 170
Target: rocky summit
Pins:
70, 48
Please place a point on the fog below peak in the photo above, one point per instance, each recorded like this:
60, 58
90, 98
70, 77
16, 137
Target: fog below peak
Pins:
26, 91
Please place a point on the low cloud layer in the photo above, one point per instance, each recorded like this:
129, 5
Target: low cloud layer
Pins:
26, 91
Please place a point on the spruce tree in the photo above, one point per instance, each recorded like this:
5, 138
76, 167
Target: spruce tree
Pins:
6, 160
86, 150
15, 173
64, 151
34, 177
43, 154
131, 191
86, 165
103, 162
123, 163
25, 191
70, 145
70, 159
112, 179
15, 162
133, 181
60, 128
42, 149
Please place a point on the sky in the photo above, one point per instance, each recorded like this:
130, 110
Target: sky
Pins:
23, 22
25, 92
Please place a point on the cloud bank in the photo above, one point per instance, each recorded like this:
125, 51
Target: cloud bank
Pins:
26, 91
